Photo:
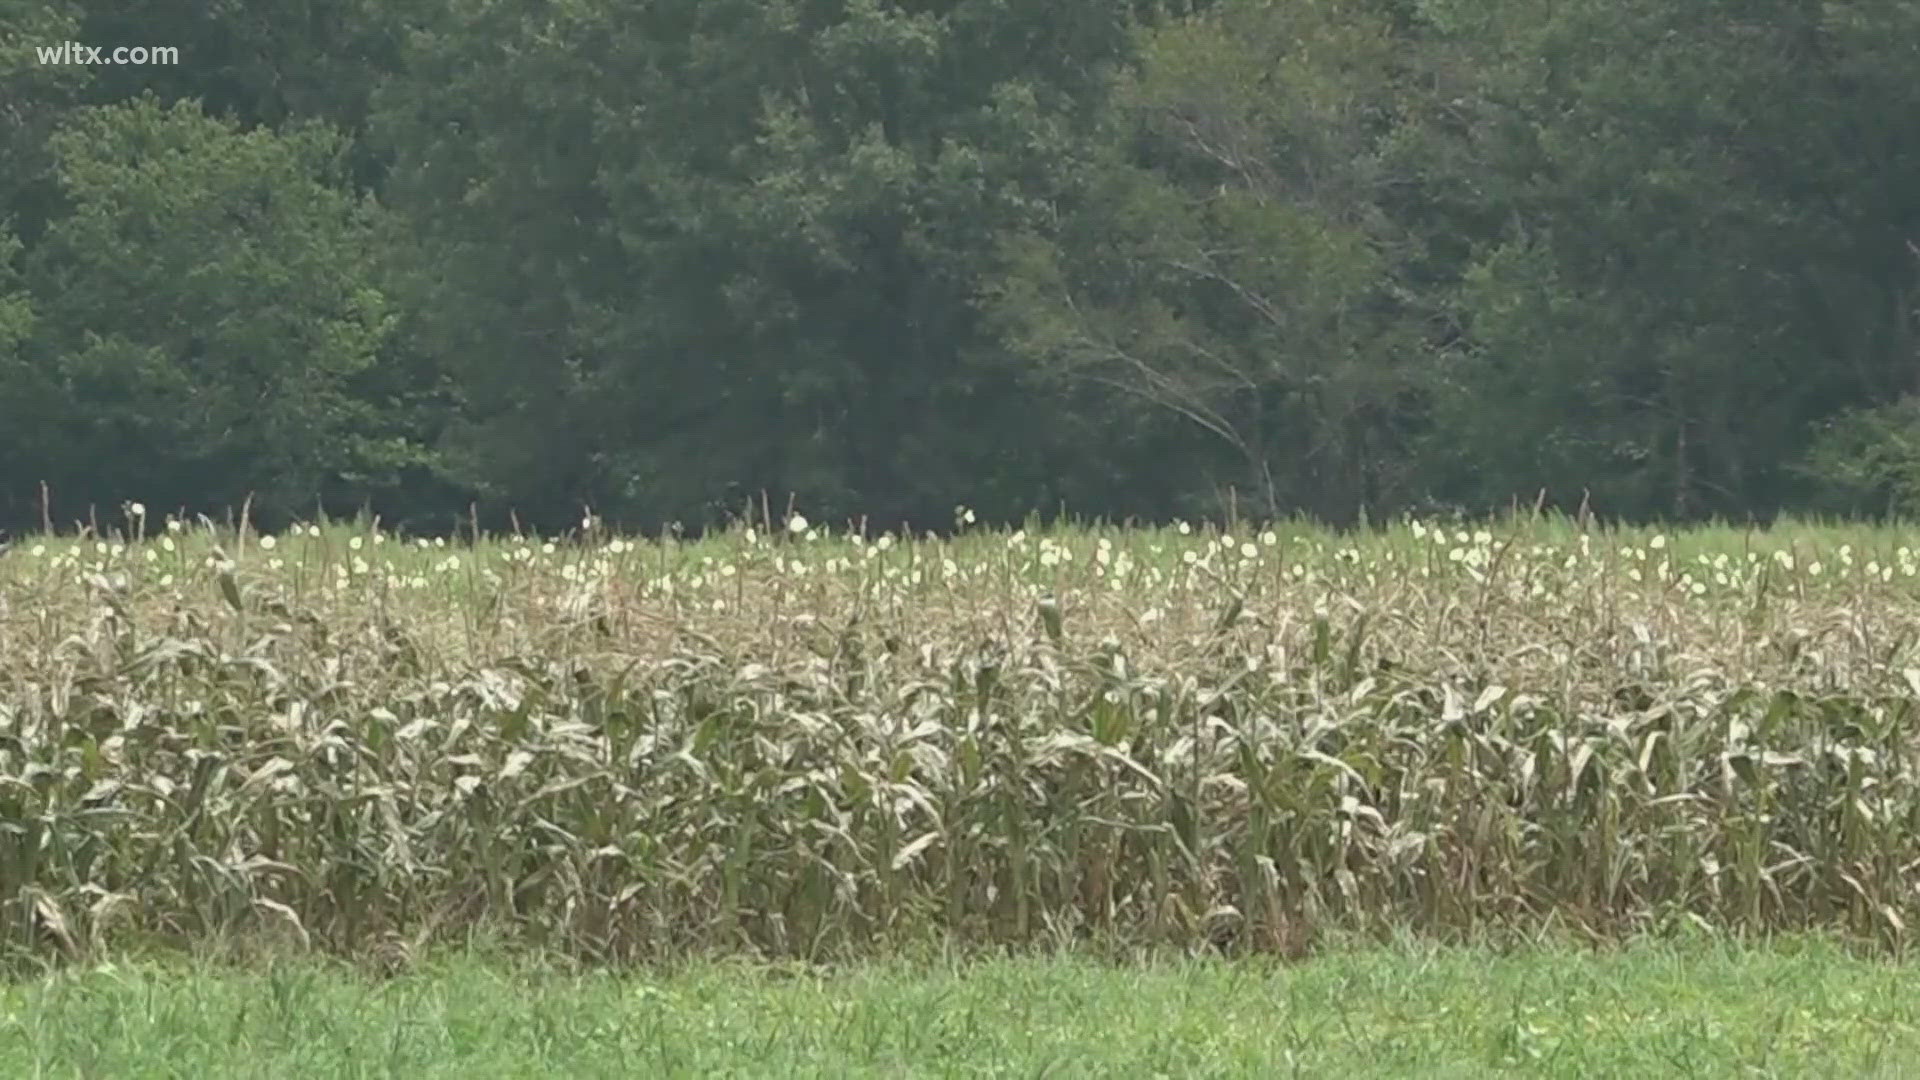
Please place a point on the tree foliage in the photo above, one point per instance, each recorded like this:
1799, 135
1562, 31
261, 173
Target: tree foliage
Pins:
1701, 254
683, 251
1133, 258
203, 310
1234, 267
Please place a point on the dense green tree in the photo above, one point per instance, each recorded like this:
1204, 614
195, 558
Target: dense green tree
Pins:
33, 97
1234, 267
684, 251
255, 61
1129, 256
1701, 250
16, 323
204, 310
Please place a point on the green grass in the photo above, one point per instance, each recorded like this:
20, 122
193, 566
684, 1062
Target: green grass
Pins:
1797, 1007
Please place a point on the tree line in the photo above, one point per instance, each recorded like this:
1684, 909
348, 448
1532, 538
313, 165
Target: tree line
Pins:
1121, 258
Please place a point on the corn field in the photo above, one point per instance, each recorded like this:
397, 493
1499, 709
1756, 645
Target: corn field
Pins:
806, 742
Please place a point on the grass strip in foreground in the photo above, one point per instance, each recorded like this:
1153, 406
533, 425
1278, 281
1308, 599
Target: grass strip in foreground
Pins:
1795, 1008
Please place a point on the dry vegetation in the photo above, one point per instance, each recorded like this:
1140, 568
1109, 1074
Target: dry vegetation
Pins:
808, 744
